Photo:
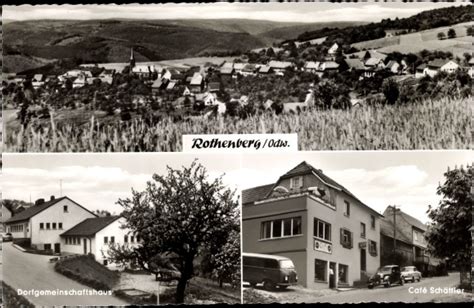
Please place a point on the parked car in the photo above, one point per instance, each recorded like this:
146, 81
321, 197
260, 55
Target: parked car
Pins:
7, 237
411, 273
273, 271
386, 275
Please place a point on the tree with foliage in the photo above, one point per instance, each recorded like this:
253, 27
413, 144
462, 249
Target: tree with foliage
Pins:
390, 90
441, 36
227, 261
179, 214
470, 31
451, 33
448, 235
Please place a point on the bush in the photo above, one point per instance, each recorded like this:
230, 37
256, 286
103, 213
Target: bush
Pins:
12, 299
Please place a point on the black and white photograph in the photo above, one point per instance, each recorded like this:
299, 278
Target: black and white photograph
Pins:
121, 229
137, 77
355, 227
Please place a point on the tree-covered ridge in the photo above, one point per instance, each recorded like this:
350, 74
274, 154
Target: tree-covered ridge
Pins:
422, 21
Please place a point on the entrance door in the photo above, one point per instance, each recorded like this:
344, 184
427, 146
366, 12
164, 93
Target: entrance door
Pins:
332, 275
85, 245
57, 248
363, 263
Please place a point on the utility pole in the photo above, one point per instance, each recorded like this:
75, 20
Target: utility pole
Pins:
395, 227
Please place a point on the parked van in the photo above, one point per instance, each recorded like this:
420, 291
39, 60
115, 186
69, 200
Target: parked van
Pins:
273, 271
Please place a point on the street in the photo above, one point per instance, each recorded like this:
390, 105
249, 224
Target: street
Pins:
34, 272
408, 293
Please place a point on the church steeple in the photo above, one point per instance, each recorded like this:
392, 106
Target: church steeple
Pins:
132, 59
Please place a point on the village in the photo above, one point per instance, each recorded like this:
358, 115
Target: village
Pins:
221, 86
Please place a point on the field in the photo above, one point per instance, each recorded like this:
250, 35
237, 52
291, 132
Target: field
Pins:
428, 39
441, 124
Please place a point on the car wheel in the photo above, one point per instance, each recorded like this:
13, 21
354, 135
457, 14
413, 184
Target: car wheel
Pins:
268, 285
387, 284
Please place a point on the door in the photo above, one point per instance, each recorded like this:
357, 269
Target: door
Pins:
57, 248
363, 262
85, 245
332, 275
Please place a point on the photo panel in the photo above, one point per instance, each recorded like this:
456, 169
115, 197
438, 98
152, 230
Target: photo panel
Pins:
119, 229
355, 227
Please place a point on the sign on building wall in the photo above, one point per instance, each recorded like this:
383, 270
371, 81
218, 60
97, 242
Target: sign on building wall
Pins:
322, 246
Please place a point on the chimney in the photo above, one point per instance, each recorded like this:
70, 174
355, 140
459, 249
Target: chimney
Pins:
39, 201
52, 198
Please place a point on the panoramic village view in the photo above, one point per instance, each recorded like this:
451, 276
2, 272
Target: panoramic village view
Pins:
127, 240
107, 80
369, 227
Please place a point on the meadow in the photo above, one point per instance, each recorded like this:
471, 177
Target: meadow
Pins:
440, 124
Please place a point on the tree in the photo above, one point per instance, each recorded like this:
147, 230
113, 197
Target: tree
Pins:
451, 33
178, 214
227, 261
449, 236
390, 90
441, 36
470, 31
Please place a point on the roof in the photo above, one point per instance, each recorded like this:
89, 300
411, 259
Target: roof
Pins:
409, 219
226, 70
90, 226
438, 62
355, 64
214, 86
264, 69
311, 65
386, 228
197, 79
391, 63
421, 67
36, 209
280, 64
471, 61
249, 68
329, 65
261, 255
256, 193
170, 85
239, 66
143, 69
372, 61
375, 54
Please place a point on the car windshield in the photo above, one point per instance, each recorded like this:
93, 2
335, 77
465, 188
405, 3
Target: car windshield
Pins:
385, 269
287, 264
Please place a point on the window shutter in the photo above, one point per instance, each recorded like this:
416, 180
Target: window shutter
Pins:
351, 239
342, 236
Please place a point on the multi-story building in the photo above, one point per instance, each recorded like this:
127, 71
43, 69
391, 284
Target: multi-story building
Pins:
331, 236
404, 234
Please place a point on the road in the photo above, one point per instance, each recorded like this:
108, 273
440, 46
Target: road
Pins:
34, 272
396, 293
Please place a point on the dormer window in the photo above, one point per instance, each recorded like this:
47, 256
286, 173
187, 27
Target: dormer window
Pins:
296, 182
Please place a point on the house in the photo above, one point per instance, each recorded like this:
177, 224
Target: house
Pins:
170, 85
311, 66
356, 65
420, 70
317, 223
408, 233
95, 235
42, 224
207, 99
440, 65
196, 83
37, 81
6, 213
144, 70
249, 70
393, 66
214, 87
279, 67
80, 81
265, 70
328, 66
227, 71
107, 76
394, 32
333, 49
158, 85
238, 67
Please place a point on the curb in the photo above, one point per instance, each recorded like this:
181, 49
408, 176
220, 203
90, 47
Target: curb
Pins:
19, 247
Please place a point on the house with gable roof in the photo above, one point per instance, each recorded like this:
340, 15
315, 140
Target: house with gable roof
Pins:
317, 223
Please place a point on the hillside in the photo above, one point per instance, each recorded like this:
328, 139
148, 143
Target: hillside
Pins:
30, 44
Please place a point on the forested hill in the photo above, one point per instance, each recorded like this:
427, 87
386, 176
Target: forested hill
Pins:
421, 21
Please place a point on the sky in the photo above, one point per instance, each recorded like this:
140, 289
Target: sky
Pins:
97, 181
283, 12
407, 179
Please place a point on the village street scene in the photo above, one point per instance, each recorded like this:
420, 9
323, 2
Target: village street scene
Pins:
354, 227
115, 231
106, 80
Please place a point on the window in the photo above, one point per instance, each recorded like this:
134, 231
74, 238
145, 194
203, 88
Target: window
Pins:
105, 262
112, 239
60, 225
41, 226
65, 209
347, 208
343, 273
346, 238
137, 238
320, 270
280, 228
106, 239
373, 248
372, 221
322, 229
54, 226
131, 239
362, 230
48, 225
296, 182
415, 235
125, 238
